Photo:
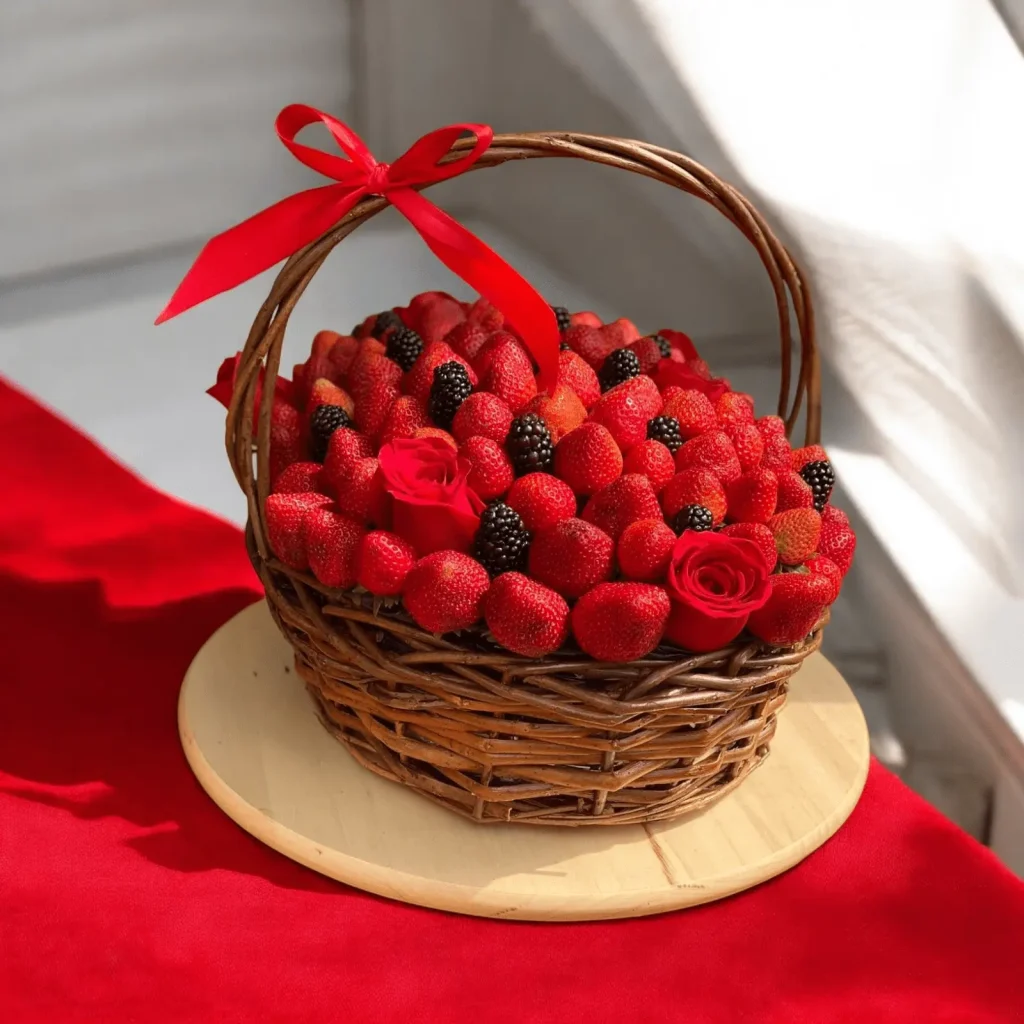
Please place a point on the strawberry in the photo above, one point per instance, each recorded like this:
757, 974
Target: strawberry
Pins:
341, 356
541, 499
653, 460
626, 500
299, 478
589, 343
438, 432
466, 339
712, 451
445, 591
571, 556
373, 407
525, 616
794, 491
486, 353
769, 426
332, 541
345, 447
588, 458
753, 496
424, 300
585, 318
625, 410
483, 314
820, 565
644, 549
324, 392
404, 418
576, 373
420, 378
760, 535
286, 444
482, 415
796, 534
620, 333
837, 540
491, 474
287, 516
809, 453
749, 445
510, 376
440, 318
382, 562
370, 370
796, 603
361, 493
323, 342
562, 411
307, 373
734, 408
697, 486
648, 351
776, 455
620, 621
693, 410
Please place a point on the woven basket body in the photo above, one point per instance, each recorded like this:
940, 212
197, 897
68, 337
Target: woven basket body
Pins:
493, 736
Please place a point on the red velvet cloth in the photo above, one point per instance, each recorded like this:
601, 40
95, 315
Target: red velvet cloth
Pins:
125, 895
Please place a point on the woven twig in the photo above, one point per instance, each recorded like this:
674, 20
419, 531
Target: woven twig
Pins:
493, 736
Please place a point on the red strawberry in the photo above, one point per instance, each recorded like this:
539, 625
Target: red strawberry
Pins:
486, 353
370, 370
793, 610
382, 562
620, 333
482, 415
653, 460
588, 458
620, 621
438, 432
837, 540
445, 591
361, 493
760, 535
624, 501
484, 315
697, 486
404, 418
439, 318
820, 565
693, 410
810, 453
323, 342
648, 352
424, 300
576, 373
776, 455
373, 407
525, 616
541, 500
794, 491
571, 556
585, 318
286, 444
341, 356
770, 425
734, 408
287, 516
299, 478
333, 540
712, 451
492, 473
419, 379
749, 445
589, 343
796, 534
562, 411
510, 376
345, 447
644, 549
466, 339
625, 410
306, 374
753, 496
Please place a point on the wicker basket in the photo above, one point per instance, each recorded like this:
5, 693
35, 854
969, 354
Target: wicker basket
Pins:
493, 736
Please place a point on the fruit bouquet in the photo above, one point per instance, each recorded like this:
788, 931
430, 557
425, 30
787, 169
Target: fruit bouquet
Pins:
537, 567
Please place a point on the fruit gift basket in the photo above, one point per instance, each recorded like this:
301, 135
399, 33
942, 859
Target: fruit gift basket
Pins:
537, 567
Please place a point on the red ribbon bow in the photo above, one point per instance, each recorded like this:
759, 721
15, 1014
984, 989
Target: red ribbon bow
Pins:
276, 233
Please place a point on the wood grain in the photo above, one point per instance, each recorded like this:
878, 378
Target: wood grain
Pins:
272, 768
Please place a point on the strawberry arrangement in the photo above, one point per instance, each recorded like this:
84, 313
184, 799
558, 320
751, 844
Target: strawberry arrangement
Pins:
640, 503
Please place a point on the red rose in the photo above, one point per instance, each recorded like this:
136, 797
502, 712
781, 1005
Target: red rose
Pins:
715, 582
669, 373
433, 507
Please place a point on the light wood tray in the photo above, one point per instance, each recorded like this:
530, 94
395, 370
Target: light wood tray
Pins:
254, 742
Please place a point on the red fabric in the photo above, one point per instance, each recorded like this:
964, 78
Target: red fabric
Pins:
125, 895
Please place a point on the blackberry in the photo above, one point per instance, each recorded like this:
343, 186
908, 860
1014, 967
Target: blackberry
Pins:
666, 430
663, 346
620, 366
501, 541
563, 346
562, 316
693, 517
821, 477
326, 419
450, 389
404, 347
529, 445
386, 321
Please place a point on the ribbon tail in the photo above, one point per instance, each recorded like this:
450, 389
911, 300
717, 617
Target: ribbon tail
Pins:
486, 272
255, 245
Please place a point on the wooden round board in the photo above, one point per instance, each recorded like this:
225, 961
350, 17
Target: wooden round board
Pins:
254, 742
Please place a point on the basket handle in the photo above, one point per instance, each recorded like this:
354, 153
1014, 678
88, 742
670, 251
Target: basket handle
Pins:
266, 336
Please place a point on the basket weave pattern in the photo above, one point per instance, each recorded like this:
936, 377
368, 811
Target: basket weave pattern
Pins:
563, 740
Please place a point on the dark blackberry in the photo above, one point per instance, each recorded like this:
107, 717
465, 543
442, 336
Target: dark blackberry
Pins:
620, 366
666, 430
450, 389
325, 421
563, 318
386, 321
404, 347
663, 346
563, 346
501, 540
822, 478
529, 445
693, 517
